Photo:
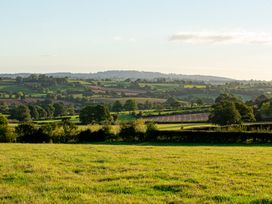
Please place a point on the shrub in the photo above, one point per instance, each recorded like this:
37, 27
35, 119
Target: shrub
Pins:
151, 129
3, 120
127, 132
6, 135
101, 135
134, 131
27, 133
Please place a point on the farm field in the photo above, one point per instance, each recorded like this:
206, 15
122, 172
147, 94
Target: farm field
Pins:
180, 118
50, 173
182, 126
122, 100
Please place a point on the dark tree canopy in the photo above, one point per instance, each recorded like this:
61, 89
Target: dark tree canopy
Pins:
21, 113
3, 120
229, 110
225, 113
94, 114
117, 106
172, 102
130, 105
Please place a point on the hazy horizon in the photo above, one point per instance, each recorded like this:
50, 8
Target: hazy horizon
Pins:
217, 38
36, 72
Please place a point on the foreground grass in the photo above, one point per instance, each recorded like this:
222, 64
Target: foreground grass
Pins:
49, 173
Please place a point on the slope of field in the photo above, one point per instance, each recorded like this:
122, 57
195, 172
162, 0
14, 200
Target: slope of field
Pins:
196, 117
134, 174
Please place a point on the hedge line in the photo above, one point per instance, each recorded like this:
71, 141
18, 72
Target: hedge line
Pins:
213, 137
65, 133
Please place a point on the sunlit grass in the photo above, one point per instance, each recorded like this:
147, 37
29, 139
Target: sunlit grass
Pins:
182, 126
49, 173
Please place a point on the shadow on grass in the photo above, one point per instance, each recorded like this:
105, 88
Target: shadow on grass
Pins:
176, 144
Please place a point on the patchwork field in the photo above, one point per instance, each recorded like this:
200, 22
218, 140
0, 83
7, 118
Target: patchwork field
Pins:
196, 117
50, 173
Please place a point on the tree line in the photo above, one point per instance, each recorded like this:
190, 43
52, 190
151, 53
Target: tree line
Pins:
137, 131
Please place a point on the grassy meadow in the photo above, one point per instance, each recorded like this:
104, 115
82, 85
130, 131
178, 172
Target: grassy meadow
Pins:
52, 173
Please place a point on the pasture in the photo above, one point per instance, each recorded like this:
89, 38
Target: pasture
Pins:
182, 126
50, 173
196, 117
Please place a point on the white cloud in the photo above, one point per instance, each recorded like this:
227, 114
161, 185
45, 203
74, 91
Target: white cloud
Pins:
117, 38
222, 37
124, 39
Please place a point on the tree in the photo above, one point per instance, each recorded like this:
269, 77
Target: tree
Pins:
21, 113
6, 135
246, 112
94, 114
225, 113
34, 112
3, 120
4, 108
69, 129
151, 130
229, 109
226, 97
59, 109
172, 102
130, 105
28, 133
117, 106
50, 110
42, 112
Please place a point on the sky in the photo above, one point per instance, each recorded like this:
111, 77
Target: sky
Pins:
231, 38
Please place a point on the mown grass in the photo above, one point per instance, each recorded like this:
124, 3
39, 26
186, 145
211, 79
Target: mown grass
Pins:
182, 126
50, 173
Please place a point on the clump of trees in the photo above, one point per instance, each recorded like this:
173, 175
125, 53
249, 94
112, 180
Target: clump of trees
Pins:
263, 107
95, 114
6, 134
229, 110
45, 110
62, 132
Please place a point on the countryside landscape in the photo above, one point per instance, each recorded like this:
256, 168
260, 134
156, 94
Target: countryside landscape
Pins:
136, 102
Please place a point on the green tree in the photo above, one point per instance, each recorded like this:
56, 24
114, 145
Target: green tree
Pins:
3, 120
130, 105
117, 106
172, 102
4, 108
34, 112
246, 112
6, 135
59, 109
229, 109
28, 133
42, 112
21, 113
225, 113
94, 114
226, 97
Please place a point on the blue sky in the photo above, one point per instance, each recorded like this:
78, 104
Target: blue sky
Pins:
214, 37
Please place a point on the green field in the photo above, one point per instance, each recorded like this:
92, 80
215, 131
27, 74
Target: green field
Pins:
50, 173
182, 126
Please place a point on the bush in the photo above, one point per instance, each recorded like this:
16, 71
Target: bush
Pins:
102, 135
6, 135
63, 132
213, 137
27, 133
151, 130
134, 131
127, 132
3, 120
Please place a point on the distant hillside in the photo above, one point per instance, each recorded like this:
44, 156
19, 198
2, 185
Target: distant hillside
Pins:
127, 74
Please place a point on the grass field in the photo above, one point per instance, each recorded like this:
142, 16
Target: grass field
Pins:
50, 173
182, 126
